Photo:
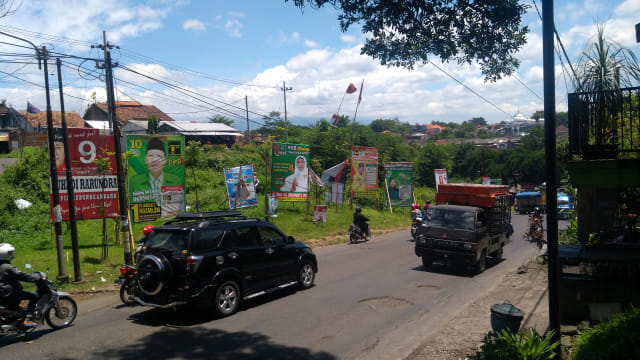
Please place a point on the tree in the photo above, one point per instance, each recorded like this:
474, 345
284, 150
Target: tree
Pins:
221, 119
478, 121
606, 65
7, 7
405, 33
193, 158
152, 124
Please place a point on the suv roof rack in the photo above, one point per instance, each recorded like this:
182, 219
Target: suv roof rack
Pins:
207, 215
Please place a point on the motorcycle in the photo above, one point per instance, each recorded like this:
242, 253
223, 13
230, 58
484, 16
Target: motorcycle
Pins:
356, 234
415, 224
128, 284
55, 307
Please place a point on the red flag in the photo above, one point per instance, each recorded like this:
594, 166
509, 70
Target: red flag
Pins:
351, 88
336, 120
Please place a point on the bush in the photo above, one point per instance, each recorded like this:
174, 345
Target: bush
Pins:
509, 346
616, 338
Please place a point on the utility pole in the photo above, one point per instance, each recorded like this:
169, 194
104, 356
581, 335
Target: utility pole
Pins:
70, 185
286, 123
553, 269
246, 106
55, 190
122, 191
62, 276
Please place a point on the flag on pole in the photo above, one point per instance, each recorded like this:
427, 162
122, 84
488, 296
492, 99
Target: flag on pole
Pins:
336, 120
32, 109
351, 88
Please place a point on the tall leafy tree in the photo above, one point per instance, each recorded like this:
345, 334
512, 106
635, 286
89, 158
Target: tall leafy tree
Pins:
221, 119
405, 33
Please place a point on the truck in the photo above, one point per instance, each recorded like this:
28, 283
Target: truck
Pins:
565, 206
468, 224
527, 201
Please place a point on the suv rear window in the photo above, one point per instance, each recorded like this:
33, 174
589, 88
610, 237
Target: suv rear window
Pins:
167, 240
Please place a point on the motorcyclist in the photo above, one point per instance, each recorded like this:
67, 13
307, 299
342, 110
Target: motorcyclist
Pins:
425, 209
147, 231
361, 222
11, 291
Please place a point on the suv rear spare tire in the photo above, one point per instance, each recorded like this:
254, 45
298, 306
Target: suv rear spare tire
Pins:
152, 275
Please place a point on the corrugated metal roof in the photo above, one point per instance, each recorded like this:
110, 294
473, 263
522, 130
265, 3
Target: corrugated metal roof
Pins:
196, 126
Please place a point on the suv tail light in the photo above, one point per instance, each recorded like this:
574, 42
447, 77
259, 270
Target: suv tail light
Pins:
193, 262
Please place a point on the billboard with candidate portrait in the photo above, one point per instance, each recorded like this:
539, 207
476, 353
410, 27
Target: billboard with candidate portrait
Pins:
95, 189
364, 170
290, 171
156, 176
241, 191
399, 182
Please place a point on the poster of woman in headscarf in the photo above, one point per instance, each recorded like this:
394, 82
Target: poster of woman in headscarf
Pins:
241, 190
290, 172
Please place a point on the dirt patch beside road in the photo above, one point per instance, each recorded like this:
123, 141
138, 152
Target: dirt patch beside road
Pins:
525, 288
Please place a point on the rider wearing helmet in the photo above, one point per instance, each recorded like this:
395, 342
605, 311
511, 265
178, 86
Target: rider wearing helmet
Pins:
361, 221
11, 292
147, 231
425, 209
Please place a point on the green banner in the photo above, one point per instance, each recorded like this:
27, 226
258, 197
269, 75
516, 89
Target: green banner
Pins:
156, 176
290, 172
399, 178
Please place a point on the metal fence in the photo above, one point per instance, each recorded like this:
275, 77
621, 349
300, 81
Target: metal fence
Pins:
604, 124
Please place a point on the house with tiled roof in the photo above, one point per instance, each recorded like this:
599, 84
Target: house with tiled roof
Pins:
125, 112
72, 119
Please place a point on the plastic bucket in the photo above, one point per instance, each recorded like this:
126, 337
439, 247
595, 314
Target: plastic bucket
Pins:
506, 316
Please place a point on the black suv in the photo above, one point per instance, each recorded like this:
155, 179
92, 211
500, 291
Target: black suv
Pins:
219, 258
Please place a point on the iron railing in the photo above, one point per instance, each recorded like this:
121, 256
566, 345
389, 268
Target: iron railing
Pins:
604, 124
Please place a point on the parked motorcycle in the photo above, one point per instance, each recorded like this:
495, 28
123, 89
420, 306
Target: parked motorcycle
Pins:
128, 284
55, 307
356, 234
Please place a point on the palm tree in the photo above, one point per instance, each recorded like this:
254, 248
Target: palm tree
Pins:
606, 65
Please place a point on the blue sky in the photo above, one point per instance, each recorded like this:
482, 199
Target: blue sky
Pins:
222, 51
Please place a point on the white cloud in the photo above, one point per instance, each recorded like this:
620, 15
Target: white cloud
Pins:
233, 27
194, 24
311, 44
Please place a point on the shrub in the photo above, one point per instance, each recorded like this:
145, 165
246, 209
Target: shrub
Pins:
509, 346
616, 338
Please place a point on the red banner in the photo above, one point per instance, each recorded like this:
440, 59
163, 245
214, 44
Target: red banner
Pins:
95, 190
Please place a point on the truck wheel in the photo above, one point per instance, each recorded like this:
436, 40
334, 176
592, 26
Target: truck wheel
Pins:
427, 261
497, 256
481, 264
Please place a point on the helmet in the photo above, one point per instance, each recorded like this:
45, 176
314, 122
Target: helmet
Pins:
6, 251
358, 209
413, 206
147, 230
429, 202
417, 206
537, 211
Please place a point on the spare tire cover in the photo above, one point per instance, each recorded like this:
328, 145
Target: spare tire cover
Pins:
152, 274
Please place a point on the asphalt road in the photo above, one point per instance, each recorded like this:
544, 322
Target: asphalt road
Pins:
372, 300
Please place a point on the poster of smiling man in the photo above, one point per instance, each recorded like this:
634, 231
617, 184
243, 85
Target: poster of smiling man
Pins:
156, 176
290, 171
